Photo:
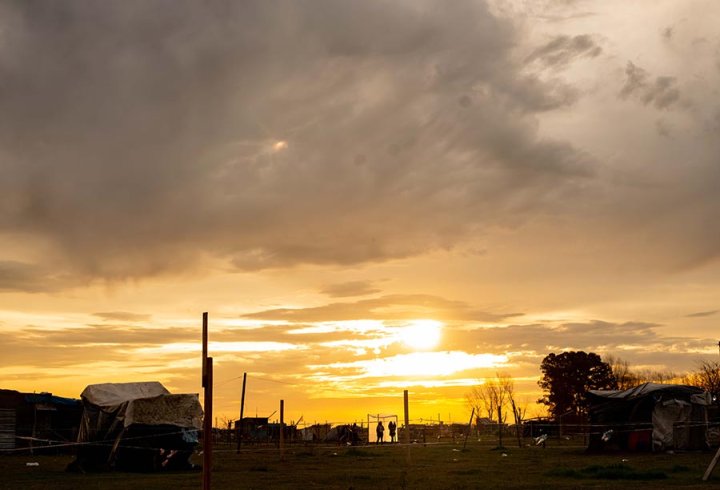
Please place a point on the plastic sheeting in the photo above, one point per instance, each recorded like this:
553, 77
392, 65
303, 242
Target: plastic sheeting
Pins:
110, 395
133, 426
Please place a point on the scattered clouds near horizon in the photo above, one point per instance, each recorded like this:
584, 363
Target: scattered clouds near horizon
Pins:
123, 316
702, 314
332, 360
388, 307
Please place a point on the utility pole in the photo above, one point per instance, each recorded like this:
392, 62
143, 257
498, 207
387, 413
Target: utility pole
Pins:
242, 410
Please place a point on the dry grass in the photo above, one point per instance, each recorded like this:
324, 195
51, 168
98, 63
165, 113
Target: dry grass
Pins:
441, 466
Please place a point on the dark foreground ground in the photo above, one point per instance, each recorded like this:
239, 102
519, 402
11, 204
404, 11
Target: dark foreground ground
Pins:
439, 466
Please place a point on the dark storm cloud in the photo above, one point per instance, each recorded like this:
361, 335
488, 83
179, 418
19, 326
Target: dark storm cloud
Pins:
137, 137
661, 92
30, 278
563, 49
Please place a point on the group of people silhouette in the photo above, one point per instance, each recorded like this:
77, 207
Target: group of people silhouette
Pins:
380, 431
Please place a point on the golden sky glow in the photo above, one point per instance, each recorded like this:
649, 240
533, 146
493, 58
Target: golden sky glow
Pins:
413, 197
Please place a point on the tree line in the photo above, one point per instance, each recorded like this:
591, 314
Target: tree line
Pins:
568, 376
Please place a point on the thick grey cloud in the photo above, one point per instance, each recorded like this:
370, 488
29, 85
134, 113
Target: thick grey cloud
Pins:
31, 278
137, 137
661, 92
563, 49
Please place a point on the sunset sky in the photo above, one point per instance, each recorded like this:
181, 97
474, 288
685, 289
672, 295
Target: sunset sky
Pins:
366, 197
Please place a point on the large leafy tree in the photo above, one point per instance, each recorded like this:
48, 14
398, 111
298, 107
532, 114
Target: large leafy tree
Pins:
568, 376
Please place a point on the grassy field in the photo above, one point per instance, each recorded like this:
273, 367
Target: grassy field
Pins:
438, 466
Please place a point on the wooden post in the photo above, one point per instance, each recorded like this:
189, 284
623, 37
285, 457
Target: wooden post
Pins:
204, 349
207, 424
710, 468
472, 414
242, 411
282, 432
516, 417
500, 445
407, 424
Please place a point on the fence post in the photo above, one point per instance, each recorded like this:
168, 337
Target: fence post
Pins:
282, 429
407, 424
207, 425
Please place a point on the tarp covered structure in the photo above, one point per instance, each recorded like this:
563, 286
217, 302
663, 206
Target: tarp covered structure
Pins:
40, 421
651, 416
137, 427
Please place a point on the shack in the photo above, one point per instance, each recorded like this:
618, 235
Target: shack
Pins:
136, 427
649, 417
41, 422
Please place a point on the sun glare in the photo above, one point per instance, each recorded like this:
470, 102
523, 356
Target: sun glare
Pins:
421, 334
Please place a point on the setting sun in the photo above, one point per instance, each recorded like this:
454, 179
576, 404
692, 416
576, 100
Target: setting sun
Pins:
421, 334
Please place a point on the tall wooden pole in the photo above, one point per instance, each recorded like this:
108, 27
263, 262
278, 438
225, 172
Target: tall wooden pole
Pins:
204, 349
207, 424
242, 411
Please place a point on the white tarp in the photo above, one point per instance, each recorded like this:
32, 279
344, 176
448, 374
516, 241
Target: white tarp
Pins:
670, 419
148, 403
109, 395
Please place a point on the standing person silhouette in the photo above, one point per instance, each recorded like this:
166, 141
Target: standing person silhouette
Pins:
391, 430
380, 432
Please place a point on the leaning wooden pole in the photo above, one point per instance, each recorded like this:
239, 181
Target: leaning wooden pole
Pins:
712, 465
207, 424
472, 414
242, 412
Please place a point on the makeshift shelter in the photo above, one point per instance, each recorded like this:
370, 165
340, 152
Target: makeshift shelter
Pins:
253, 429
137, 427
651, 416
40, 422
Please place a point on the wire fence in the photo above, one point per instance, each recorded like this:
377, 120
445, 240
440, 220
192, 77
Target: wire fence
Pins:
424, 433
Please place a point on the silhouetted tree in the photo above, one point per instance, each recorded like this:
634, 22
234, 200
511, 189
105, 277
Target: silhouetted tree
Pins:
568, 376
492, 397
624, 376
628, 377
707, 377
